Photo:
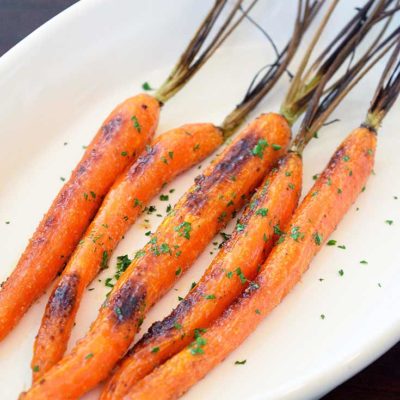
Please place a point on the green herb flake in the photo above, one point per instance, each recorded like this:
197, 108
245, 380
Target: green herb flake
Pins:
363, 262
124, 153
331, 242
240, 227
136, 123
210, 297
389, 222
88, 356
240, 362
258, 149
104, 260
276, 147
322, 316
317, 239
146, 86
295, 233
155, 350
139, 254
184, 229
258, 311
178, 271
341, 272
262, 211
36, 368
342, 246
241, 276
346, 158
164, 197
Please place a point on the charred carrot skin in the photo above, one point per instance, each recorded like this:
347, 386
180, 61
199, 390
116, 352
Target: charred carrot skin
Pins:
119, 141
313, 222
169, 154
181, 237
227, 276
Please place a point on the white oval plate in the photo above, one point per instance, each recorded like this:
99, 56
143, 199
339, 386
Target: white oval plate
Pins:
58, 85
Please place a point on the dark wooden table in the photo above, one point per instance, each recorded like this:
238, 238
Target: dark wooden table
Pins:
379, 381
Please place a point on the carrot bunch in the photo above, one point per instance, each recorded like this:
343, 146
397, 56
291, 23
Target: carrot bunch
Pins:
168, 155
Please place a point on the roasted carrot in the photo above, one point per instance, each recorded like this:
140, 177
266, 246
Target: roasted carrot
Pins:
120, 139
117, 144
163, 160
227, 276
117, 214
313, 222
178, 241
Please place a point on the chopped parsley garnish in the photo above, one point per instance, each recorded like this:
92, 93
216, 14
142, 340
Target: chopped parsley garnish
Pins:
342, 246
389, 222
276, 146
35, 368
331, 242
196, 347
317, 239
262, 211
295, 233
136, 123
322, 316
210, 297
146, 86
241, 276
341, 272
184, 229
240, 362
278, 231
124, 153
104, 260
139, 253
258, 311
155, 349
164, 197
346, 158
196, 147
363, 262
240, 227
258, 149
90, 355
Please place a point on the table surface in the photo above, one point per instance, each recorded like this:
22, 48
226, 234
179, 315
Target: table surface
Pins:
381, 380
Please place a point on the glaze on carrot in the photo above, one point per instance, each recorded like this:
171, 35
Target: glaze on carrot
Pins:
315, 219
227, 276
168, 155
118, 142
178, 241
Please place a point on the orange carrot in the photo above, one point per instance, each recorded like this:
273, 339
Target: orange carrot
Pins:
235, 265
181, 237
170, 154
315, 219
119, 141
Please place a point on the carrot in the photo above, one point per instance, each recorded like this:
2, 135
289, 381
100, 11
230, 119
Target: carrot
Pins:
227, 276
181, 237
315, 219
118, 142
170, 154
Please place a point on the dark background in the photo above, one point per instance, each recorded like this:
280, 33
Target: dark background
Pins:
379, 381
